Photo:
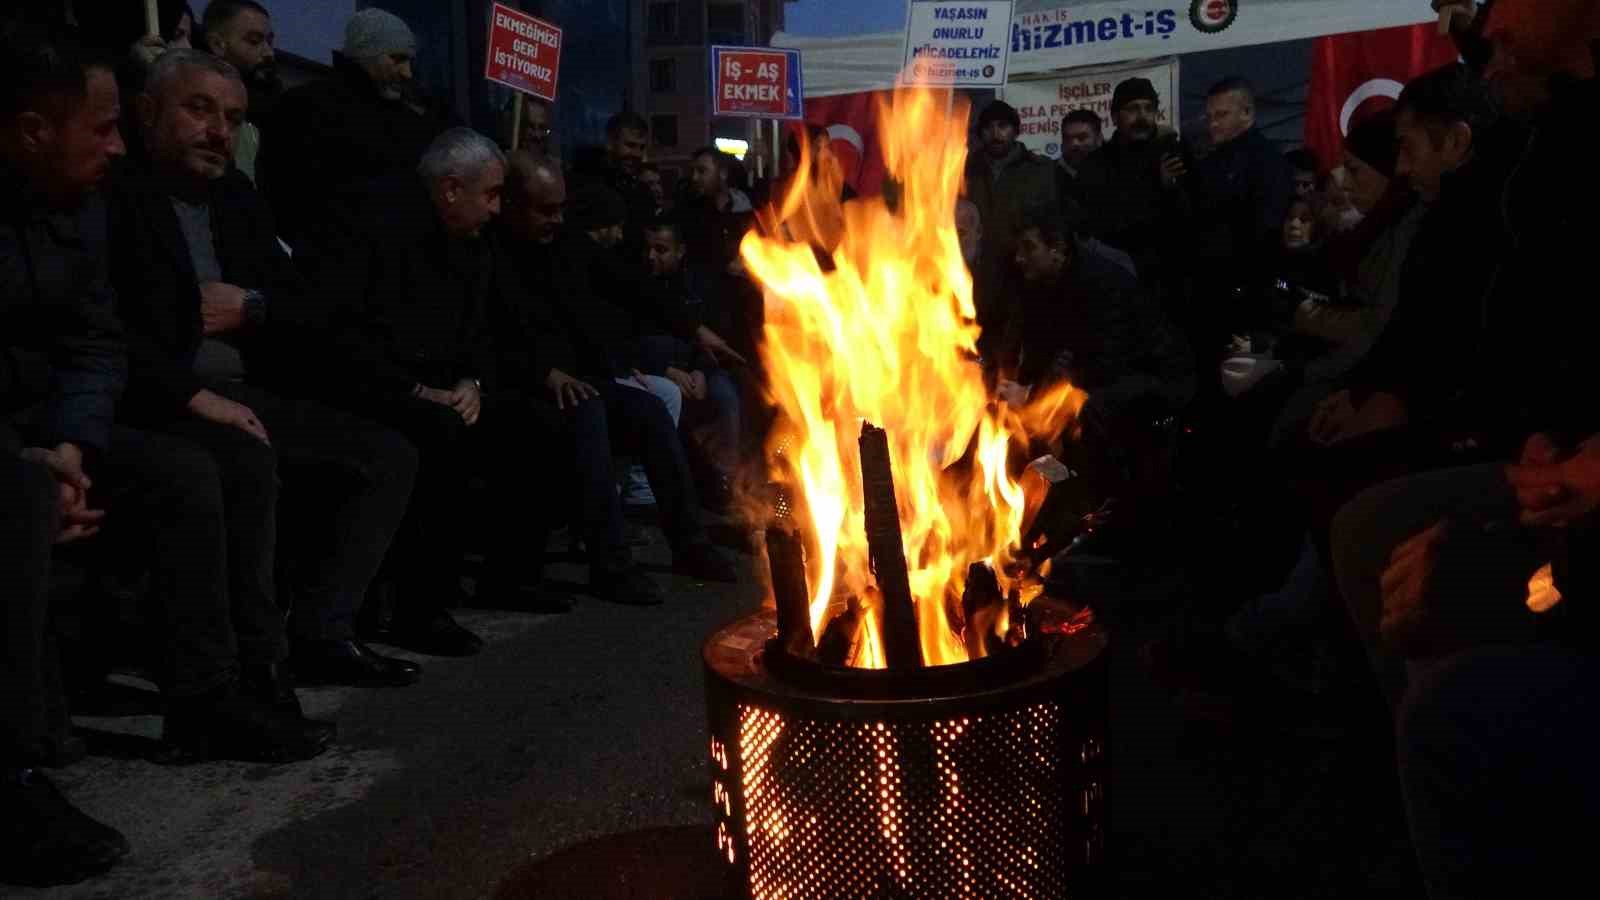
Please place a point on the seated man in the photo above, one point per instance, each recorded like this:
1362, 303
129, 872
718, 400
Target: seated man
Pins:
411, 296
710, 395
62, 367
1085, 319
556, 266
199, 274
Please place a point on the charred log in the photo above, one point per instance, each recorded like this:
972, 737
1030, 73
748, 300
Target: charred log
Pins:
902, 648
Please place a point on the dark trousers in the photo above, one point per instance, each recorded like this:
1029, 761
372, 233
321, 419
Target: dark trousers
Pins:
314, 542
163, 500
29, 689
635, 423
1496, 748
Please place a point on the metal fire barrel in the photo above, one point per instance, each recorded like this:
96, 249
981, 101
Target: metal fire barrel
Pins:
986, 779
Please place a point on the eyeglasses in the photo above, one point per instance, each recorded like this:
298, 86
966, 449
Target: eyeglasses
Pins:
533, 129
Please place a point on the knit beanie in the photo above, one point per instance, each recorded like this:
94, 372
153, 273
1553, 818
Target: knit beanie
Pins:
1553, 35
375, 32
999, 111
1131, 90
594, 206
1372, 140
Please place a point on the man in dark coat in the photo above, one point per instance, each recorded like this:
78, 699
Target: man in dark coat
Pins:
1003, 179
1131, 188
66, 471
199, 272
556, 266
619, 168
1240, 196
361, 123
1086, 320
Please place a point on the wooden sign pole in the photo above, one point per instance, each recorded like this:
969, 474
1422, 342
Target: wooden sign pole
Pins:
516, 121
152, 18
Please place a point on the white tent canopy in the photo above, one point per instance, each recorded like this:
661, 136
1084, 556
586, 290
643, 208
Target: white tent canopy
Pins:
1061, 35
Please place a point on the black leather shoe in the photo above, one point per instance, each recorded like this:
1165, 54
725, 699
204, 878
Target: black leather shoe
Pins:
540, 600
274, 686
436, 635
350, 663
46, 841
627, 585
704, 562
233, 725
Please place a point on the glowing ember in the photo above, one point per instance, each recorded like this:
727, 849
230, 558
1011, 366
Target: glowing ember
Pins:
886, 334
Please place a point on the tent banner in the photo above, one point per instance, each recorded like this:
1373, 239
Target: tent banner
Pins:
1042, 103
1065, 35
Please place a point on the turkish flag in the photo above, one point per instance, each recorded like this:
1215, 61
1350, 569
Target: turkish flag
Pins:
852, 124
1355, 75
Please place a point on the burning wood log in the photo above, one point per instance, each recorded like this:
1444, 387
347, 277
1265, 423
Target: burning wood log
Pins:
981, 605
902, 648
841, 637
786, 556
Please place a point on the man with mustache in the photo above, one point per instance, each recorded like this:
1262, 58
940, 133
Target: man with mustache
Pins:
1131, 188
240, 32
206, 292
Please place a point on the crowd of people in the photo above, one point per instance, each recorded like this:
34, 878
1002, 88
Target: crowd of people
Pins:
286, 357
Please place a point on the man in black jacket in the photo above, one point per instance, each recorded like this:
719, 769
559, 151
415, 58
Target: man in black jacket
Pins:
62, 461
1086, 320
200, 277
430, 338
361, 123
1240, 196
619, 168
556, 266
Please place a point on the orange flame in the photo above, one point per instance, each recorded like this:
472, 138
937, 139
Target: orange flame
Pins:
887, 334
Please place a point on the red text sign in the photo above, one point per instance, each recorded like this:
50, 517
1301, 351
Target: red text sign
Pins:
524, 52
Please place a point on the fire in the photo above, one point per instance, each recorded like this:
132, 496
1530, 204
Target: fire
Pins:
870, 318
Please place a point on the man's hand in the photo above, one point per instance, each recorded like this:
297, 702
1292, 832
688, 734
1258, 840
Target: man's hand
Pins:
146, 50
569, 391
712, 343
693, 384
221, 307
1013, 394
1172, 170
467, 400
1405, 585
65, 462
1556, 489
216, 408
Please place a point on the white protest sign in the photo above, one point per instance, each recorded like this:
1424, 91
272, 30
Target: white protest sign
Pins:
964, 44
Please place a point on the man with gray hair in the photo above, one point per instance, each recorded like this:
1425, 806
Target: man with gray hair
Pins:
419, 301
210, 299
363, 122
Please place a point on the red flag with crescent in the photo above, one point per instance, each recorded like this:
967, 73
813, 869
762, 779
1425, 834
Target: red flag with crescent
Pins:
1355, 75
852, 124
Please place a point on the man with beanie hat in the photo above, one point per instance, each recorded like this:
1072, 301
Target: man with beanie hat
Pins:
362, 123
1003, 179
1128, 187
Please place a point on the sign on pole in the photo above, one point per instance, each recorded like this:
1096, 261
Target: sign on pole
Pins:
756, 83
964, 43
524, 52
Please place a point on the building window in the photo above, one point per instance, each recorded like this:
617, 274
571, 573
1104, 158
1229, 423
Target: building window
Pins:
725, 23
663, 75
663, 19
664, 130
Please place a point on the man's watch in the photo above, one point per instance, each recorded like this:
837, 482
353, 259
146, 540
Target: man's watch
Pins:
255, 308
